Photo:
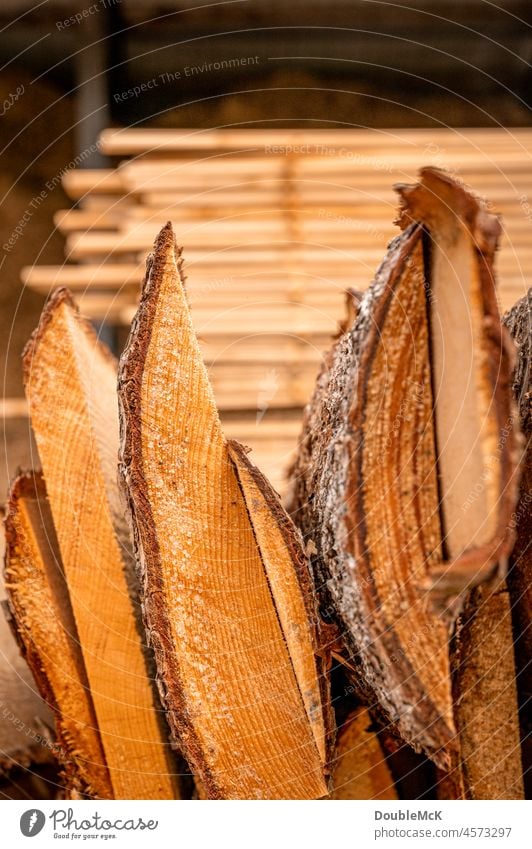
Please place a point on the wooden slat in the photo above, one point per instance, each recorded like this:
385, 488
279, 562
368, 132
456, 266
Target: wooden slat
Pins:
137, 141
238, 685
40, 603
266, 225
104, 181
70, 384
107, 275
483, 166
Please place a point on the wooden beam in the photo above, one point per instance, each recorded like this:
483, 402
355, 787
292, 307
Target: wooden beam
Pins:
70, 381
40, 604
228, 665
132, 142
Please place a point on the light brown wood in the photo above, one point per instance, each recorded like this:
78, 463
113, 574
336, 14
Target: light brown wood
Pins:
71, 220
40, 604
140, 141
470, 372
13, 408
359, 768
26, 722
70, 382
256, 214
373, 483
111, 276
227, 672
489, 766
519, 579
84, 180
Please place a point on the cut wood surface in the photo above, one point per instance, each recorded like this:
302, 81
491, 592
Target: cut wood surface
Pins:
292, 592
377, 495
25, 719
70, 381
485, 698
40, 605
218, 558
359, 768
471, 357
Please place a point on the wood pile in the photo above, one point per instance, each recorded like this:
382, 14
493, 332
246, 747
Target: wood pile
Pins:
180, 622
276, 224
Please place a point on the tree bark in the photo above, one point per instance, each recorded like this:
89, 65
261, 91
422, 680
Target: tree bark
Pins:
405, 479
519, 322
228, 611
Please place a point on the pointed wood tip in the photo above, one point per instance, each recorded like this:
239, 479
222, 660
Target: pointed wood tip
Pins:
55, 301
59, 298
165, 243
166, 252
440, 194
25, 482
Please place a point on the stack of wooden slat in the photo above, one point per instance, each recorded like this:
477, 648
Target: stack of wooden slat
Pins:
275, 224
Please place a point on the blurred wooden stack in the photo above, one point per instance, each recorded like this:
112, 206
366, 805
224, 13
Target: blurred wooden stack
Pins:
275, 224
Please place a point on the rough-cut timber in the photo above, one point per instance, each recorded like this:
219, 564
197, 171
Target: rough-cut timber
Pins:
70, 381
471, 357
46, 631
359, 768
519, 322
489, 765
405, 478
287, 572
220, 565
25, 719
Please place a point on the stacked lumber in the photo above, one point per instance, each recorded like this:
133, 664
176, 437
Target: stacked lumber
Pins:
404, 489
277, 225
210, 596
70, 381
177, 619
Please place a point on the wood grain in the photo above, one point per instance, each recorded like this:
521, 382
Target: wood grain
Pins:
40, 605
359, 769
224, 664
375, 487
70, 381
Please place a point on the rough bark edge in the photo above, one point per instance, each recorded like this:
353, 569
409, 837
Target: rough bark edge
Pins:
58, 297
518, 320
368, 327
327, 447
63, 296
416, 204
294, 543
28, 484
359, 719
134, 488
